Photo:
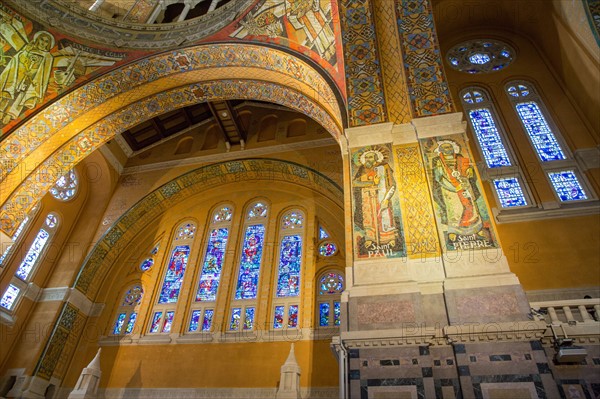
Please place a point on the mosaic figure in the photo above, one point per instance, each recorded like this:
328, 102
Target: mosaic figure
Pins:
376, 211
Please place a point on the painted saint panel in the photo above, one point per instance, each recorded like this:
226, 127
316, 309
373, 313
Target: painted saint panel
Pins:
247, 284
174, 275
461, 212
213, 262
377, 219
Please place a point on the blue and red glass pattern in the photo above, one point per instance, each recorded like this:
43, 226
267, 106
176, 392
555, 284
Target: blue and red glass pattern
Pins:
331, 283
293, 316
293, 220
119, 323
133, 296
510, 192
131, 323
236, 315
324, 314
33, 254
327, 249
258, 210
155, 322
213, 262
278, 317
186, 232
249, 319
567, 186
208, 317
247, 284
146, 264
487, 133
290, 257
195, 320
542, 137
168, 322
222, 215
174, 275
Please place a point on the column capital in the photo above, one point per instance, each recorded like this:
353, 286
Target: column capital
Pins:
440, 125
381, 133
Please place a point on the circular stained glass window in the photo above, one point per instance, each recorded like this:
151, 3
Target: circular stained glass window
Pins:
327, 249
51, 220
66, 187
331, 283
480, 56
147, 264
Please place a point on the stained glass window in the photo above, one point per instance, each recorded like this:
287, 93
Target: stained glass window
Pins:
5, 254
186, 232
510, 192
324, 314
278, 317
213, 262
131, 323
155, 249
323, 233
33, 254
146, 264
293, 316
542, 137
250, 262
10, 295
327, 249
155, 322
567, 186
174, 276
331, 283
258, 210
490, 142
473, 97
288, 280
66, 187
51, 220
236, 315
168, 322
208, 317
249, 319
480, 56
119, 323
292, 220
336, 313
133, 296
223, 214
14, 238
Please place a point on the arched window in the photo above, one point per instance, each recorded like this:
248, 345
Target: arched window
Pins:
554, 155
164, 311
66, 187
287, 286
126, 314
10, 245
246, 289
28, 265
495, 149
203, 307
329, 289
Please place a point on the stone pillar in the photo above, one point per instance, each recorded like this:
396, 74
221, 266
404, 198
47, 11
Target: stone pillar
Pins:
87, 384
289, 381
213, 5
159, 7
184, 12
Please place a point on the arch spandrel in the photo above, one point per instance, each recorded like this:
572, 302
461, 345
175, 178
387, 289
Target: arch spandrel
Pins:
77, 124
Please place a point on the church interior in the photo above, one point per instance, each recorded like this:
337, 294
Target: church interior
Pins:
370, 199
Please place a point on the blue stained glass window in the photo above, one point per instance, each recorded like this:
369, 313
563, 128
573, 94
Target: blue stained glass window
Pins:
14, 238
323, 233
249, 319
119, 323
324, 314
223, 215
290, 257
489, 138
293, 316
133, 296
510, 192
247, 284
207, 322
292, 220
32, 255
186, 232
327, 249
336, 313
567, 186
155, 322
331, 283
236, 315
155, 249
278, 317
213, 262
168, 322
131, 323
479, 58
9, 297
147, 264
258, 210
174, 275
195, 320
544, 141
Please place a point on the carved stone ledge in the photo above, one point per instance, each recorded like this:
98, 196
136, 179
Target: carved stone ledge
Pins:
495, 332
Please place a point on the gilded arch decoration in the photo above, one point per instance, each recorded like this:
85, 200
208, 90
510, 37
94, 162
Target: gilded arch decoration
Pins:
114, 241
54, 140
